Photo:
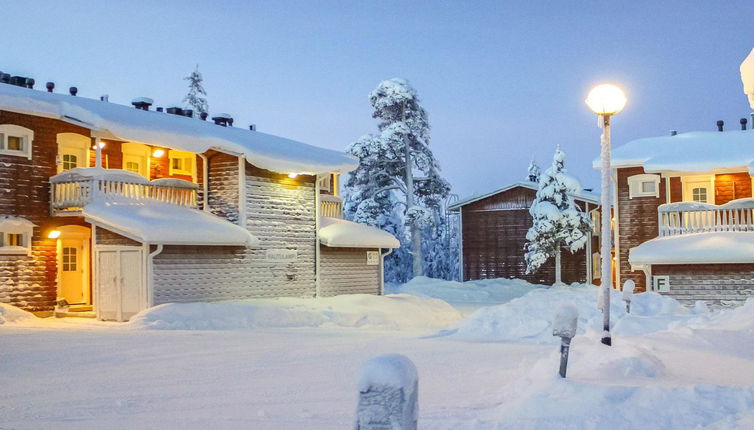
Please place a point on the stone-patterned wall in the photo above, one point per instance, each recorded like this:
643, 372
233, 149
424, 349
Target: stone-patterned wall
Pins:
344, 271
280, 213
716, 284
29, 282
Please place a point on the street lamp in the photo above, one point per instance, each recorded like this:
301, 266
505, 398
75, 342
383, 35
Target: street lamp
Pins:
606, 100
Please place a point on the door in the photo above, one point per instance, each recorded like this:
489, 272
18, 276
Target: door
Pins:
121, 292
698, 189
72, 271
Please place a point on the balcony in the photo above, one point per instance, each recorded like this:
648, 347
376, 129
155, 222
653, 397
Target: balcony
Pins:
330, 206
71, 190
691, 217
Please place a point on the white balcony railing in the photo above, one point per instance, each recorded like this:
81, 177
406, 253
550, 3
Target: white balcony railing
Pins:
330, 206
691, 217
74, 189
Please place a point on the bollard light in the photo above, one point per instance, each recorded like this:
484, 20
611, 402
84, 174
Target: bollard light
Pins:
388, 394
564, 326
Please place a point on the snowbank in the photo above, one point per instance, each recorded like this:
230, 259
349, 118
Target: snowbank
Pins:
484, 292
529, 318
12, 314
394, 312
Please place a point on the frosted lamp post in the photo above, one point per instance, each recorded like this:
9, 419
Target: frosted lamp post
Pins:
606, 100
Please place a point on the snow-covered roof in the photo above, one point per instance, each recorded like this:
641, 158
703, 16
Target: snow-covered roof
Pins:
582, 195
126, 123
698, 151
340, 233
158, 223
14, 224
697, 248
81, 173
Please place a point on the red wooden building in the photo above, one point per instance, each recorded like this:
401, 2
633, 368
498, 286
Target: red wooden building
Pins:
493, 235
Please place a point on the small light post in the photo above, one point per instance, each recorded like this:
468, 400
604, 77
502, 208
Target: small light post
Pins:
628, 294
564, 326
606, 100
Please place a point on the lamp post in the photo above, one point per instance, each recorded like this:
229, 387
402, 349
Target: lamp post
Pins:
606, 100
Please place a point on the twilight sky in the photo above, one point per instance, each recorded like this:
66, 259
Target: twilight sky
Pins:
502, 81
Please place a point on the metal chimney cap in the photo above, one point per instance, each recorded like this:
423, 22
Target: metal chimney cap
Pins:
145, 100
222, 116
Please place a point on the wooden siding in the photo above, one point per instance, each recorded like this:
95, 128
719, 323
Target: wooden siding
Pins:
716, 284
494, 235
29, 282
637, 223
676, 190
732, 186
344, 271
280, 212
107, 237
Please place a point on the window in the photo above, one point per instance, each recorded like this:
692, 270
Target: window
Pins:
69, 259
136, 158
73, 151
182, 163
16, 140
133, 166
699, 195
70, 161
644, 185
15, 235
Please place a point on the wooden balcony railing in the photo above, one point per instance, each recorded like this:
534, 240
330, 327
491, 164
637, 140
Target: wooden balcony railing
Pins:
70, 192
330, 206
691, 217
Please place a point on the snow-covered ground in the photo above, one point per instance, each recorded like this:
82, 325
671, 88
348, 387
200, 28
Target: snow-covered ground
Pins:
294, 363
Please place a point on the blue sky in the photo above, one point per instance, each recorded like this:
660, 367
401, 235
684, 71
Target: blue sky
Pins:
502, 81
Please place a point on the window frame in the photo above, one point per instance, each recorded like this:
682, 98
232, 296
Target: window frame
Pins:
184, 170
636, 185
25, 232
139, 153
12, 130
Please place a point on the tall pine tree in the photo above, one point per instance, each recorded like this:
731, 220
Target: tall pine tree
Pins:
398, 179
558, 221
194, 99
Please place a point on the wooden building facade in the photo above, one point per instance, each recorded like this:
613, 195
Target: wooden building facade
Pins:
493, 236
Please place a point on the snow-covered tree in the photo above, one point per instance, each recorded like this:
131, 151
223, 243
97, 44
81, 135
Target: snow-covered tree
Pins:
194, 99
558, 220
398, 177
534, 173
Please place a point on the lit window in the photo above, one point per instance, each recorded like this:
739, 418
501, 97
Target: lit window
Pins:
182, 163
133, 166
69, 259
644, 185
699, 195
70, 161
15, 140
15, 235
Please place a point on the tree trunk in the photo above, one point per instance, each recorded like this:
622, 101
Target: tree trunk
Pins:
416, 235
558, 280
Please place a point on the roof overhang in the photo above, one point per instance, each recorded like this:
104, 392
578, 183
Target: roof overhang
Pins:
340, 233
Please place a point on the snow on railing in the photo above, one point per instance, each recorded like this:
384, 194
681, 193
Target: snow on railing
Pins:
70, 192
692, 217
331, 206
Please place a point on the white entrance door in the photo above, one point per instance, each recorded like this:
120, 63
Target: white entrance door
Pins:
120, 288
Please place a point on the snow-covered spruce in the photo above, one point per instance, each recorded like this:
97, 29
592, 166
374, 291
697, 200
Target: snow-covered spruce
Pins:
397, 186
534, 173
557, 220
194, 99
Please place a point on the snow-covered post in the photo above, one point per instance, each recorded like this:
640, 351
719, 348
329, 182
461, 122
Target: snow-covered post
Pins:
606, 100
564, 326
628, 293
388, 394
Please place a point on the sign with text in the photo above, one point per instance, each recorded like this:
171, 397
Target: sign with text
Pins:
373, 258
661, 284
281, 255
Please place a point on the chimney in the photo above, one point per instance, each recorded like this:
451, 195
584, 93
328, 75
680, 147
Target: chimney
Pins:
174, 110
743, 122
223, 119
30, 83
188, 112
104, 98
203, 116
142, 103
18, 81
159, 109
673, 132
50, 86
5, 78
720, 124
253, 127
73, 91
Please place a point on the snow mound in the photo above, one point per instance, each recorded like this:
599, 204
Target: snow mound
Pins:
529, 318
390, 370
394, 312
484, 292
12, 314
618, 387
